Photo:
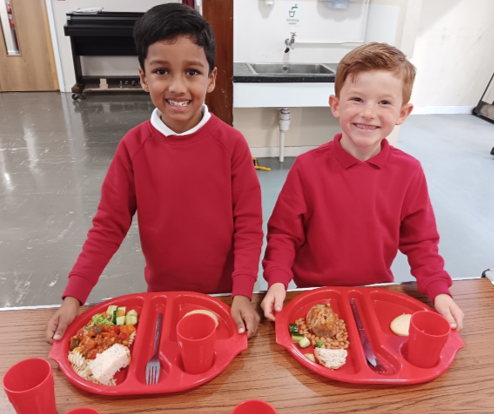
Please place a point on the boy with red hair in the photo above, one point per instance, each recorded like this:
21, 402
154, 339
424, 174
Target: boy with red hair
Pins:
349, 205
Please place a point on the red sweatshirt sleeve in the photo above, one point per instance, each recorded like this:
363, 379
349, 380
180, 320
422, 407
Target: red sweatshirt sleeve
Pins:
247, 215
110, 225
285, 229
419, 240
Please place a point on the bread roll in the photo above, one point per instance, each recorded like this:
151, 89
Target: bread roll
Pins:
401, 324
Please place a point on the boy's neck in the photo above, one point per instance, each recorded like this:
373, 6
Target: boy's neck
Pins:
361, 153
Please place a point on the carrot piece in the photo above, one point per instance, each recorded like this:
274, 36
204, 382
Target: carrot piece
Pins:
128, 329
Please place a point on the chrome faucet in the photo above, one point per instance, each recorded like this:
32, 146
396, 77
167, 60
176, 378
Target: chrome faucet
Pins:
289, 42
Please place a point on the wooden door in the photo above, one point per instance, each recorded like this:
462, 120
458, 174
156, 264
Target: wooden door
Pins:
34, 68
219, 14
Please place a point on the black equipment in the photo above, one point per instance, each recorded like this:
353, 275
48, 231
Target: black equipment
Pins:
101, 34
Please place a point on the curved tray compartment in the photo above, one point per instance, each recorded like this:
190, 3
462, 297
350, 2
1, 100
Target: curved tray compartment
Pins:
173, 378
377, 308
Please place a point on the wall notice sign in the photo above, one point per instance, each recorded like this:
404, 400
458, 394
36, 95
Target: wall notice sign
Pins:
293, 13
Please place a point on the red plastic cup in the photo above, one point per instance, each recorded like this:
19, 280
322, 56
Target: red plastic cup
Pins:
30, 387
84, 410
254, 406
196, 335
428, 334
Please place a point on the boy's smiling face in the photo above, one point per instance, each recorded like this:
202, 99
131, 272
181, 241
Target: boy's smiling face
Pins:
176, 76
368, 108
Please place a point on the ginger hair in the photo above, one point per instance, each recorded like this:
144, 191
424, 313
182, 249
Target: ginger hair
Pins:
376, 56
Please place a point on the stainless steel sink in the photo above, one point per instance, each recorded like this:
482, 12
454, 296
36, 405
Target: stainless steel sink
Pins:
290, 69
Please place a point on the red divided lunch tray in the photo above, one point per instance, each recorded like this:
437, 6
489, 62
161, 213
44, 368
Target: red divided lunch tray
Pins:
377, 308
173, 305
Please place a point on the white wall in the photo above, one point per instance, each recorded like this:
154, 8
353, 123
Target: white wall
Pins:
115, 65
260, 30
259, 35
454, 52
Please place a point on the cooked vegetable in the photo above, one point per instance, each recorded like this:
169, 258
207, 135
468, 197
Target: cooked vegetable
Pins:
110, 310
127, 329
131, 318
296, 338
310, 356
74, 343
121, 315
98, 319
293, 328
304, 343
319, 344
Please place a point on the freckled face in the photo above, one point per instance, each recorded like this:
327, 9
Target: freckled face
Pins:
176, 77
368, 109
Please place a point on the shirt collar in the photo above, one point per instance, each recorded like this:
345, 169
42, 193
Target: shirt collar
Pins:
347, 160
161, 127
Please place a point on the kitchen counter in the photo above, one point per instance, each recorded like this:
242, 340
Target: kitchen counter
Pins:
242, 74
268, 372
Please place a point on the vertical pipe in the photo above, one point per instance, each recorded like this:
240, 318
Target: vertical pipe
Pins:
284, 122
282, 145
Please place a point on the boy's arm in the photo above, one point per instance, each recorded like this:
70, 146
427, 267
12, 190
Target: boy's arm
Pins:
110, 225
285, 229
419, 241
247, 216
247, 237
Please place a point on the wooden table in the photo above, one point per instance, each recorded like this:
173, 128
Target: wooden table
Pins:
268, 372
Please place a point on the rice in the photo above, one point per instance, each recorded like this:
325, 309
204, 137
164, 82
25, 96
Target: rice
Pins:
108, 363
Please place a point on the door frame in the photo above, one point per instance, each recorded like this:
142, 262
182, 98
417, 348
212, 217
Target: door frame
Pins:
54, 45
219, 14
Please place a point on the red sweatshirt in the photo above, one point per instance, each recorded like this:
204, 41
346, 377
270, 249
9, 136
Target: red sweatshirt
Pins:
199, 212
339, 221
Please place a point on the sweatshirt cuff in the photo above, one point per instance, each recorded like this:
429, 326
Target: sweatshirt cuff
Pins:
437, 288
79, 288
278, 276
243, 285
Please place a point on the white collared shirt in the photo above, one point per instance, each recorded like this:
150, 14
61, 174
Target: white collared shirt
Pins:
157, 122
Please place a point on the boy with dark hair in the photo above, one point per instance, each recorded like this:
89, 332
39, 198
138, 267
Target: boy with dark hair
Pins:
188, 175
349, 205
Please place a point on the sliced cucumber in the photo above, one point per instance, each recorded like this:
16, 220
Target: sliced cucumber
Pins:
319, 344
304, 343
121, 311
110, 310
293, 328
114, 317
296, 338
120, 320
131, 318
310, 356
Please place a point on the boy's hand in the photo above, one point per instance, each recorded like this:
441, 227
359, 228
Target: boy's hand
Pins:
61, 319
447, 307
273, 301
244, 315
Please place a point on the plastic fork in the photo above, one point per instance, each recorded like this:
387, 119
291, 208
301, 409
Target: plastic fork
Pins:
153, 367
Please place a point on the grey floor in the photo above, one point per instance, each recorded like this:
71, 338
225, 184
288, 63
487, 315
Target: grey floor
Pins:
54, 154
